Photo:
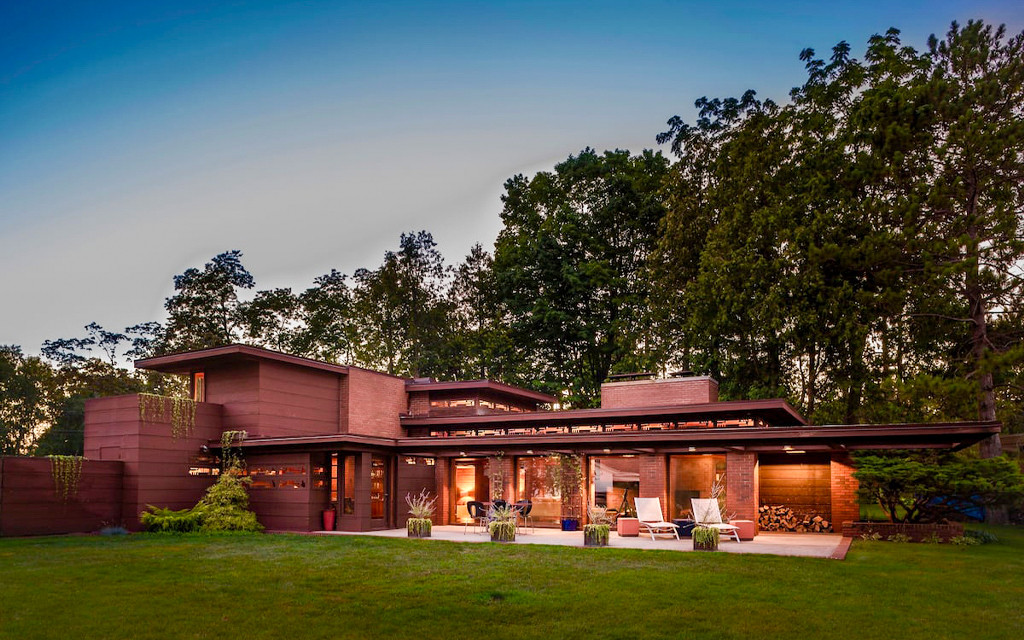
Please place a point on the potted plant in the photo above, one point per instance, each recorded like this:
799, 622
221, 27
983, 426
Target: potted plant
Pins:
502, 526
705, 538
598, 530
421, 508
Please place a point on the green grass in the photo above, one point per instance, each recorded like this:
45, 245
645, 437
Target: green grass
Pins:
285, 586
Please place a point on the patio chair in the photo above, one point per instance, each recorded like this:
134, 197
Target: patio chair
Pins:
648, 512
524, 507
707, 514
478, 513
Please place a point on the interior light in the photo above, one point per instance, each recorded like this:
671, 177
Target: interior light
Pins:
529, 451
795, 451
693, 448
607, 450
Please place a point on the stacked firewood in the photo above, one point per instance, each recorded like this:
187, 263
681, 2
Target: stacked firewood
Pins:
782, 518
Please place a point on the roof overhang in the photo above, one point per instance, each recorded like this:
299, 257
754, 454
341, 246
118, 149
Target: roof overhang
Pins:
829, 439
481, 385
189, 361
775, 412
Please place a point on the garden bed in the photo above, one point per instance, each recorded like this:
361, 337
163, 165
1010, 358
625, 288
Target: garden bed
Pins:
915, 531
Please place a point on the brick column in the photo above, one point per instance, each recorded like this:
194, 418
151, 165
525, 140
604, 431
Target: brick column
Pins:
845, 507
504, 467
442, 477
741, 485
654, 480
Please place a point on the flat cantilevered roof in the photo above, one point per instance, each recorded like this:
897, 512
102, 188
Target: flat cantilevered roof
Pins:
481, 385
773, 412
189, 361
796, 439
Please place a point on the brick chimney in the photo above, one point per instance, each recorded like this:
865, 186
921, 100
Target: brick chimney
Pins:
659, 393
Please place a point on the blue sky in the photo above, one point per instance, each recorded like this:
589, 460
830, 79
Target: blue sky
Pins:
139, 139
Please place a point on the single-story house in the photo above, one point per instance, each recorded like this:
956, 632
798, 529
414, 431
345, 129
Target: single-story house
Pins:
323, 435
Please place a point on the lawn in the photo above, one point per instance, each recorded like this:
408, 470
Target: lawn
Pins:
290, 586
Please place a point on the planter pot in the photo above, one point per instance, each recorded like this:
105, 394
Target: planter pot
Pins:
592, 539
417, 531
328, 519
701, 547
499, 538
570, 524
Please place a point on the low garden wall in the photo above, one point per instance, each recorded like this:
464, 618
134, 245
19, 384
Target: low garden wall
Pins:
916, 532
40, 496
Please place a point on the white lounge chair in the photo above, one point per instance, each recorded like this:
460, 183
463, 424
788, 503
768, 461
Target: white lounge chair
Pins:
648, 512
707, 514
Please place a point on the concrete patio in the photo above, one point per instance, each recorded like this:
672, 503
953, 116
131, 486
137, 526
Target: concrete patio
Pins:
813, 545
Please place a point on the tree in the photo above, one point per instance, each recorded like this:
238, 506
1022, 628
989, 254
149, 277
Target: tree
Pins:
271, 319
327, 329
479, 344
853, 248
401, 312
26, 387
927, 487
570, 268
205, 311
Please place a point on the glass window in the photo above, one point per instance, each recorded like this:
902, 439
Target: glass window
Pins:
614, 482
535, 481
694, 476
199, 386
468, 484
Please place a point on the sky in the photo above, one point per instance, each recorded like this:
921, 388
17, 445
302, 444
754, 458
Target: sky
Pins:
138, 139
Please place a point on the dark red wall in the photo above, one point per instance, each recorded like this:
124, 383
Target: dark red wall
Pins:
286, 508
29, 504
297, 401
156, 464
411, 479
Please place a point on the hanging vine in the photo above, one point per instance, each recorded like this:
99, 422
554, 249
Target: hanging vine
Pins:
66, 471
230, 459
153, 409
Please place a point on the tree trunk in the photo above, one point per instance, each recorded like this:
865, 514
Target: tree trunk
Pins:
990, 447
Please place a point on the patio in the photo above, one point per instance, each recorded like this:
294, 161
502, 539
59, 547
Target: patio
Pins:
815, 545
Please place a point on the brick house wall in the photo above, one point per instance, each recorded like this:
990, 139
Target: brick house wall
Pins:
419, 403
845, 507
741, 485
654, 479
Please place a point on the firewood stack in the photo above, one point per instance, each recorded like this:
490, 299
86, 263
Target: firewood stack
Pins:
782, 518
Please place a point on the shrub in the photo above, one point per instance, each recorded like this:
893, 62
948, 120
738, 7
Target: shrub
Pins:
983, 537
928, 487
113, 531
170, 521
899, 537
964, 541
225, 507
874, 536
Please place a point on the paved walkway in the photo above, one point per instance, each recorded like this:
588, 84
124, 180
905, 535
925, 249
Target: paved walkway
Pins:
814, 545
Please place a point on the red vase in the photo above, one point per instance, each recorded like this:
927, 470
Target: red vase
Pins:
329, 515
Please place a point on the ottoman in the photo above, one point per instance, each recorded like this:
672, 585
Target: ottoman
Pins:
747, 529
628, 527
